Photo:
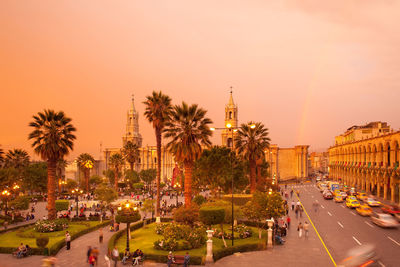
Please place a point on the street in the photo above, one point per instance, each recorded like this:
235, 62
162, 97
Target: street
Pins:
342, 228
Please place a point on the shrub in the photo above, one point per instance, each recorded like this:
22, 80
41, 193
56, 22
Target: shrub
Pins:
228, 209
212, 215
42, 241
238, 199
187, 215
62, 204
199, 199
20, 203
78, 219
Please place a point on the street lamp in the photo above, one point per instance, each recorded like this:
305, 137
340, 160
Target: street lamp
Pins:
5, 194
77, 192
128, 214
177, 186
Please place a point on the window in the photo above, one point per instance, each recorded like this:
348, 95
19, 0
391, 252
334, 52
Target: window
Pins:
155, 160
230, 115
229, 144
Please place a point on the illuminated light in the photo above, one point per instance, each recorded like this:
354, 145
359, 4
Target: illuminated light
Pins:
135, 208
212, 129
252, 126
235, 130
119, 208
228, 125
81, 191
73, 191
127, 205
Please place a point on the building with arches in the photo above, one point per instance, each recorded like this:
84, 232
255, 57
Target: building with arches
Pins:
367, 157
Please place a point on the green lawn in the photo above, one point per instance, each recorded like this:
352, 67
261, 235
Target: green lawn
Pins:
27, 235
145, 237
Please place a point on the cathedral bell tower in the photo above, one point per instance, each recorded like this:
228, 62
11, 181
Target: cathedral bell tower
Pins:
132, 126
231, 122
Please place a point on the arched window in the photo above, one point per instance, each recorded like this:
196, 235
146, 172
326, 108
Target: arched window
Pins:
229, 144
230, 115
155, 160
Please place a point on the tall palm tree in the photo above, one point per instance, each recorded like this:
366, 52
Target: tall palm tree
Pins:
250, 142
86, 161
130, 151
189, 131
61, 164
52, 139
17, 158
116, 162
158, 108
1, 157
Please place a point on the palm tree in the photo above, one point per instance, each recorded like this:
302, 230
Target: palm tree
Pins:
189, 131
158, 108
116, 162
86, 161
250, 142
1, 157
61, 164
131, 153
17, 158
52, 139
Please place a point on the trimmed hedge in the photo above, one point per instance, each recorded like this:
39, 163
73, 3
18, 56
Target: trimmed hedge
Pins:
212, 215
62, 204
218, 254
238, 199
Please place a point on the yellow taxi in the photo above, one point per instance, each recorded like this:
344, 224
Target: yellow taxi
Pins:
352, 203
364, 210
338, 199
362, 196
337, 192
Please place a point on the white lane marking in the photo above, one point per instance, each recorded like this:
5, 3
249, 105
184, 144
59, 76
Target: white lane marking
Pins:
370, 225
322, 207
358, 242
353, 213
342, 206
330, 214
381, 264
397, 243
341, 225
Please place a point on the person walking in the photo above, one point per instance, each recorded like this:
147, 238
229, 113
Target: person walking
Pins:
88, 253
101, 235
297, 212
291, 193
288, 222
293, 204
68, 240
300, 229
306, 226
115, 256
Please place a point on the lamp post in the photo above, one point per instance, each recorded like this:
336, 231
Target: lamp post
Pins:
177, 186
128, 214
77, 192
5, 194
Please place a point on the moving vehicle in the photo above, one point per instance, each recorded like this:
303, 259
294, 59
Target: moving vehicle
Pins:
391, 209
344, 195
327, 195
352, 203
333, 185
372, 202
364, 210
384, 220
351, 197
363, 255
361, 196
338, 199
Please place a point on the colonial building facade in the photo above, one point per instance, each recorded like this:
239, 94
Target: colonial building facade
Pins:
369, 160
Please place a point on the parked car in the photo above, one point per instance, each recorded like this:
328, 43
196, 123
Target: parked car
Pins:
372, 202
364, 210
327, 195
391, 209
352, 203
384, 220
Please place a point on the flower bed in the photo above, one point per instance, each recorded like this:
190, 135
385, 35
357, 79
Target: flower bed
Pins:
242, 232
46, 226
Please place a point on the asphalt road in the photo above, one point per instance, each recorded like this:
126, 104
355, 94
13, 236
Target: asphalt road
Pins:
342, 228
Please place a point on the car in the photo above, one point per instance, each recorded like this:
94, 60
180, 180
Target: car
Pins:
364, 210
363, 255
343, 195
372, 202
361, 196
338, 199
327, 195
352, 203
391, 209
337, 192
351, 197
384, 220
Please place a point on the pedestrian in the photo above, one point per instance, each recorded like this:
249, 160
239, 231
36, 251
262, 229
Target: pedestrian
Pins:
88, 253
170, 259
288, 222
300, 229
95, 253
301, 211
101, 235
298, 193
92, 260
306, 226
115, 256
68, 240
291, 193
315, 204
297, 212
186, 260
293, 204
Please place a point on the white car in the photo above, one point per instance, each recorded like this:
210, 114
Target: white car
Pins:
372, 202
384, 220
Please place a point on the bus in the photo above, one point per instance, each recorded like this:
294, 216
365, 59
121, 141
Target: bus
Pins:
333, 186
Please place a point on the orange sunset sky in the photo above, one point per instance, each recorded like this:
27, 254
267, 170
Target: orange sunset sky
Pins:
307, 69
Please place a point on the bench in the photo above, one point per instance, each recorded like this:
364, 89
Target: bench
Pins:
26, 253
132, 260
178, 260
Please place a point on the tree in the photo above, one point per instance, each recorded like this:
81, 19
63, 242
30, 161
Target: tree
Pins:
250, 142
7, 177
86, 161
189, 130
148, 206
132, 177
148, 175
214, 170
35, 177
110, 175
1, 157
53, 138
95, 180
158, 108
61, 164
106, 194
71, 184
116, 162
130, 151
16, 158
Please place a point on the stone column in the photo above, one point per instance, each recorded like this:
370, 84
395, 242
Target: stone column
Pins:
269, 241
209, 256
379, 189
385, 191
392, 188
